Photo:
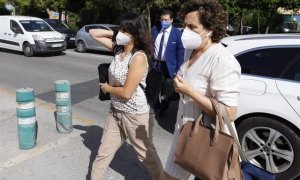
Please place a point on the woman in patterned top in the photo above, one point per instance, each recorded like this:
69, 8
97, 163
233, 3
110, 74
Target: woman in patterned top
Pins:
129, 116
208, 71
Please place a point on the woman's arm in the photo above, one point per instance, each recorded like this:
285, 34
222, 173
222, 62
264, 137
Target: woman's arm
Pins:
137, 69
103, 36
183, 87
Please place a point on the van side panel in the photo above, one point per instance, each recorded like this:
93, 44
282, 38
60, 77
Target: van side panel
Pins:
4, 31
9, 39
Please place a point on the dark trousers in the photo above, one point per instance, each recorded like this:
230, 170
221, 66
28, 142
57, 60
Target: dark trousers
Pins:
159, 81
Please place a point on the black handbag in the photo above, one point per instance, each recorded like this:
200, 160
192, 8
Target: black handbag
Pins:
103, 74
103, 78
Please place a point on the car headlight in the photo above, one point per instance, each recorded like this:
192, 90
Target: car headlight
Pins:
64, 36
38, 38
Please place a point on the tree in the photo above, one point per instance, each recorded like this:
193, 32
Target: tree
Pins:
3, 9
265, 10
28, 7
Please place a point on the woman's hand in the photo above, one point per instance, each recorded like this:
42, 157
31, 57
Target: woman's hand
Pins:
104, 87
182, 86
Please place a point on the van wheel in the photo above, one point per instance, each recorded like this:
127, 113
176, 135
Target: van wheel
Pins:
81, 47
28, 50
272, 145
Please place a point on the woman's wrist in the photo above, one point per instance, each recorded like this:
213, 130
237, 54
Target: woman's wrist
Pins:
190, 92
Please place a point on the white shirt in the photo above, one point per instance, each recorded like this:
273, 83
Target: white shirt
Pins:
215, 74
157, 42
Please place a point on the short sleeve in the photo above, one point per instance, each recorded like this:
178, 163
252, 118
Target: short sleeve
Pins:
225, 79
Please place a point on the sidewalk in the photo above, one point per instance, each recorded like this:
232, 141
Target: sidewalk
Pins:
56, 156
59, 156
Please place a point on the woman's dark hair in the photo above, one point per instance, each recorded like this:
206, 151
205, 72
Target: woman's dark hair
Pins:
136, 25
211, 15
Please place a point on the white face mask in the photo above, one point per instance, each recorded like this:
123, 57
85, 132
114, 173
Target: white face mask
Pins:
122, 39
192, 40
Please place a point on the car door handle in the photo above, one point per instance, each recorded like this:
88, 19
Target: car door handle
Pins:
5, 33
9, 34
298, 98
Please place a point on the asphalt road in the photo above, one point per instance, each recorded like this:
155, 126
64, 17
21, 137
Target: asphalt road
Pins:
40, 73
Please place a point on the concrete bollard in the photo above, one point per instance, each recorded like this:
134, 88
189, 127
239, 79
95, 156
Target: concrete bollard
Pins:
27, 125
63, 106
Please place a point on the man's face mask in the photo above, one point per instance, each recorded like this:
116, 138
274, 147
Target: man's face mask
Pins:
165, 24
122, 39
192, 40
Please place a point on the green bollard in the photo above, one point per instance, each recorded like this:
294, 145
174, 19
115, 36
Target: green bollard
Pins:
27, 125
63, 106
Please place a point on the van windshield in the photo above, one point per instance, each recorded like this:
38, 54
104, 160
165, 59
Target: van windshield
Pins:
35, 26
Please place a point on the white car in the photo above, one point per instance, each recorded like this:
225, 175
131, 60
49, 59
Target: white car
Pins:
268, 119
30, 35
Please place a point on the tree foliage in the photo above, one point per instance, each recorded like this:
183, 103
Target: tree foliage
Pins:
263, 11
260, 14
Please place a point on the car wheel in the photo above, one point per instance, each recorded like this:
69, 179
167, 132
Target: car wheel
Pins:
27, 50
271, 145
81, 46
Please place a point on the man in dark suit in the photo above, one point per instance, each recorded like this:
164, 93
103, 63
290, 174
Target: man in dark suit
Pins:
167, 59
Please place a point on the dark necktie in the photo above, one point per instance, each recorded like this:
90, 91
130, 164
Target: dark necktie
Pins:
161, 44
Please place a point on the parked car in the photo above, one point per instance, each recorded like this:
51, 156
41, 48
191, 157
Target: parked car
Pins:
30, 35
84, 41
60, 26
268, 116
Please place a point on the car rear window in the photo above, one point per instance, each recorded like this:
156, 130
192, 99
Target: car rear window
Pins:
87, 28
269, 62
114, 28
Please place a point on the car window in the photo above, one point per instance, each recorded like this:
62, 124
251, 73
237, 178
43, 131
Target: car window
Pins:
114, 28
35, 26
14, 26
266, 62
87, 28
293, 72
57, 24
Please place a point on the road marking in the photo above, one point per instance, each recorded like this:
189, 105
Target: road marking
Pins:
37, 151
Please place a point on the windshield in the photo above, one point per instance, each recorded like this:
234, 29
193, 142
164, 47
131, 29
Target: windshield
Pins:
57, 24
35, 26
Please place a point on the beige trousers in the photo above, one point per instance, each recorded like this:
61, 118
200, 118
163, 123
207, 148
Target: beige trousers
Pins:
138, 129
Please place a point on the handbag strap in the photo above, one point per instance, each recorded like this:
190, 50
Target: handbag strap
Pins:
222, 110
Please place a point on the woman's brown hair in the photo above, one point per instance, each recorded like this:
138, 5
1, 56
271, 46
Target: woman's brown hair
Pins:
211, 15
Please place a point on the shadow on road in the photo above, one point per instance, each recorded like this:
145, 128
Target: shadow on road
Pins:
41, 55
167, 118
79, 92
107, 53
125, 161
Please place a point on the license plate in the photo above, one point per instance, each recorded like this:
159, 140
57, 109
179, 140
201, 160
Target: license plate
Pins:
73, 39
56, 45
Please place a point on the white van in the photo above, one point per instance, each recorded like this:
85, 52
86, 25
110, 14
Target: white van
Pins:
30, 35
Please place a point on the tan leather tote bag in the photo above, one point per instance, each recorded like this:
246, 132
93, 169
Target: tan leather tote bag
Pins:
208, 153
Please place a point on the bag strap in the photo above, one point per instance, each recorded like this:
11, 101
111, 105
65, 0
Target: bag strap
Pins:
216, 130
221, 109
